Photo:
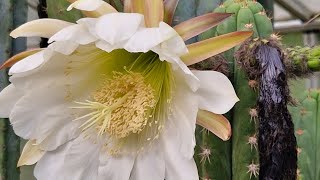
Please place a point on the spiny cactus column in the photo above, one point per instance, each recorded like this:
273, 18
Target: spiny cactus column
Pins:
213, 156
13, 14
248, 15
5, 52
265, 61
305, 115
307, 128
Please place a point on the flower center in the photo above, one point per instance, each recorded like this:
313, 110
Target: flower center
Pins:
121, 106
128, 109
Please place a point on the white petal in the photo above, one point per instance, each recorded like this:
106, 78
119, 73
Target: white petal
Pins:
167, 44
29, 63
115, 167
75, 160
31, 154
76, 33
59, 136
8, 98
47, 119
38, 119
179, 66
178, 137
147, 38
40, 27
93, 8
216, 93
64, 47
182, 122
53, 69
103, 45
50, 166
82, 160
149, 165
174, 44
178, 167
117, 27
90, 24
86, 5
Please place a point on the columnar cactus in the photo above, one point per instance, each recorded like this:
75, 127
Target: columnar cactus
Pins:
248, 15
307, 129
12, 15
5, 48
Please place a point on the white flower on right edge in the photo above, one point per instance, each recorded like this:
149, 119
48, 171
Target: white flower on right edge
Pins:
111, 99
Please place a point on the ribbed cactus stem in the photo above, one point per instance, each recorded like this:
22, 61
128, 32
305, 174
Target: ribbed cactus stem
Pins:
6, 16
213, 156
247, 15
307, 128
13, 14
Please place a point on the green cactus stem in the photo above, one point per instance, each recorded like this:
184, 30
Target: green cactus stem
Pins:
307, 129
5, 51
303, 60
13, 14
248, 15
58, 9
212, 155
186, 9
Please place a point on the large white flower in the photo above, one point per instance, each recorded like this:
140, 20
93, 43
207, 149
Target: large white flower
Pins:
111, 99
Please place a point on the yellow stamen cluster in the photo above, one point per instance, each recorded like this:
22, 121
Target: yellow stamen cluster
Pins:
121, 106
